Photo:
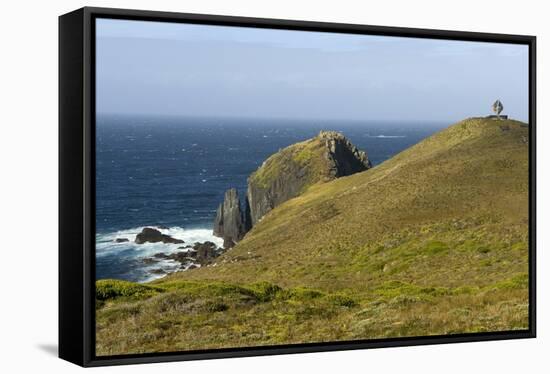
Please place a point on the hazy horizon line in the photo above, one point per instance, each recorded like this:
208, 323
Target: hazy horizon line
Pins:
281, 118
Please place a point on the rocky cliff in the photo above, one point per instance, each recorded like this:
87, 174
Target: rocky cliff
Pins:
285, 175
292, 170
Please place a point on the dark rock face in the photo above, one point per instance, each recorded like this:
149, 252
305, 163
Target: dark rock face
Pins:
154, 236
344, 158
229, 223
204, 252
121, 240
218, 221
261, 199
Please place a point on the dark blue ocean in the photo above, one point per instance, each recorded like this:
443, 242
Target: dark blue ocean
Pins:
172, 173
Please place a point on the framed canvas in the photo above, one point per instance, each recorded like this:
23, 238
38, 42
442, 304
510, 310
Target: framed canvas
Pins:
236, 186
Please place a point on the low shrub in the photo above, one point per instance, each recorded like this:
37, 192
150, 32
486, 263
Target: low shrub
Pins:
435, 247
304, 294
265, 291
342, 300
112, 288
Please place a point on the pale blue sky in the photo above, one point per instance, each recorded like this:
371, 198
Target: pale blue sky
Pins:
162, 68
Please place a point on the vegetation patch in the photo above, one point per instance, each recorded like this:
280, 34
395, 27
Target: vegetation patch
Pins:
304, 155
304, 294
395, 289
435, 247
520, 281
342, 300
112, 288
265, 291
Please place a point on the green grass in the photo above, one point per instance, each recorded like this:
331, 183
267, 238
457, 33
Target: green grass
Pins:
216, 315
107, 289
432, 241
307, 156
435, 247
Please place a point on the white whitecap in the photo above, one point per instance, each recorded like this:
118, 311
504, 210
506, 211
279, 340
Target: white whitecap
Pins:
385, 136
106, 243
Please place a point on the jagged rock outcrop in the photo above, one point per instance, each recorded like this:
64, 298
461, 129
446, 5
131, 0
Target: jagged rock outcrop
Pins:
342, 155
284, 175
229, 223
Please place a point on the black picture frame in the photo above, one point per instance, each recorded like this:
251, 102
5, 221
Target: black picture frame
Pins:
77, 183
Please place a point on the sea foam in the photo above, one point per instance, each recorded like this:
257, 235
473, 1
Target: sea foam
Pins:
130, 256
385, 136
106, 243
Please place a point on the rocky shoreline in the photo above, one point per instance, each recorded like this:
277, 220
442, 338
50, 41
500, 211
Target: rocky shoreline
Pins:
188, 257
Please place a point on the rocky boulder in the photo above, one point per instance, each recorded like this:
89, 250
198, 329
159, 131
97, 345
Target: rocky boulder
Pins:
150, 235
204, 252
200, 253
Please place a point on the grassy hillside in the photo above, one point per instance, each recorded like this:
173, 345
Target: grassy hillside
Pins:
433, 241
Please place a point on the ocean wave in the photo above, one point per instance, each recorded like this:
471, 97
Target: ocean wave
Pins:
134, 262
385, 136
106, 242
